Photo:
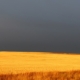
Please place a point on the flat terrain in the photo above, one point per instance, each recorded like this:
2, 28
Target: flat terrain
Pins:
20, 62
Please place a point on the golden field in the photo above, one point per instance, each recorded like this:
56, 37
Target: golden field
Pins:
39, 66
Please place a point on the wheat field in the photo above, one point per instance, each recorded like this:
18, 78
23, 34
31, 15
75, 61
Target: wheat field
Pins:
39, 66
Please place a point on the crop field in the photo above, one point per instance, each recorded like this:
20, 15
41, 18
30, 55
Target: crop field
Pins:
39, 66
70, 75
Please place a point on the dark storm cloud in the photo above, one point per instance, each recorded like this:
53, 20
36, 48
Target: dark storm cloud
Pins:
39, 25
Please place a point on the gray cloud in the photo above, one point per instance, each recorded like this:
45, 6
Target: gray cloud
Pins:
40, 25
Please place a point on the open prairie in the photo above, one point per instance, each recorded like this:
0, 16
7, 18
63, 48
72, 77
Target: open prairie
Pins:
26, 62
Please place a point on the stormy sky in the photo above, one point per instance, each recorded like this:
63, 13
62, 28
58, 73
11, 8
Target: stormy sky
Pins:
40, 25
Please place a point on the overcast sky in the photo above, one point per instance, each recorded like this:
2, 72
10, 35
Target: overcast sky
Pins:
40, 25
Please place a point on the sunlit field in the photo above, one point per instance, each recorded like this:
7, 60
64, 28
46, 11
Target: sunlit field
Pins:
39, 66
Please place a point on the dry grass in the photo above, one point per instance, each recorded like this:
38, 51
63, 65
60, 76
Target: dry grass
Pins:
72, 75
